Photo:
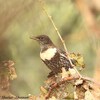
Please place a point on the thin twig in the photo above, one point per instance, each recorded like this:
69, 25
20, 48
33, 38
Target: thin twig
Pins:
50, 18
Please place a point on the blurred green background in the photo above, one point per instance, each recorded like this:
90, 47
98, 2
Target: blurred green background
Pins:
20, 19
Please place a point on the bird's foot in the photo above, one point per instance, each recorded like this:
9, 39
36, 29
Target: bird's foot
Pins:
51, 74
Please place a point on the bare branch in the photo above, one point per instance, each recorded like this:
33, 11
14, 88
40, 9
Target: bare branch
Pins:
51, 20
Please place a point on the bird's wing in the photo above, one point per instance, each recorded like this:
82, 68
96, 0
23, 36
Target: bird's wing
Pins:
67, 63
62, 52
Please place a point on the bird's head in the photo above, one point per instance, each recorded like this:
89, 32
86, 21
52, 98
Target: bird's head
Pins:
43, 40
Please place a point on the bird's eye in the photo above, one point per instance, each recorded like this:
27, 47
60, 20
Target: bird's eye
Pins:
41, 38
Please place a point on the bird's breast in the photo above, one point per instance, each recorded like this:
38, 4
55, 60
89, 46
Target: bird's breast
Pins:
48, 54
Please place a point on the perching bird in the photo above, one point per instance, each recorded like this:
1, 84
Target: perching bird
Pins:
52, 56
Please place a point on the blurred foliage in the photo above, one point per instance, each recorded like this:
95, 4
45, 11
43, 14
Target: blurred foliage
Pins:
7, 73
19, 19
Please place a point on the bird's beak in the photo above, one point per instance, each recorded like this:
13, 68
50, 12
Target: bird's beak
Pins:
33, 37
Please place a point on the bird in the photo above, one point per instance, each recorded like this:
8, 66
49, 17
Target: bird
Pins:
54, 57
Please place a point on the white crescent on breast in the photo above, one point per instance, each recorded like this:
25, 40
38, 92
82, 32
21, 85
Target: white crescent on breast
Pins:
48, 54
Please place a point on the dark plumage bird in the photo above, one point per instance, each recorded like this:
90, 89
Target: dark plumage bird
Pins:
52, 56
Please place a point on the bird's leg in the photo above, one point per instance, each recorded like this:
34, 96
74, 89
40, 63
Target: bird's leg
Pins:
51, 74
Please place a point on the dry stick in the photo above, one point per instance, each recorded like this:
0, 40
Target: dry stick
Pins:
50, 18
